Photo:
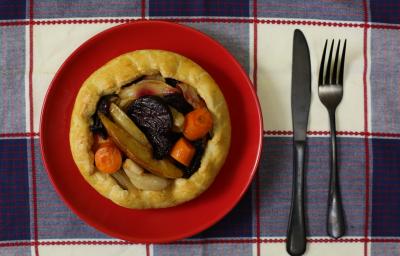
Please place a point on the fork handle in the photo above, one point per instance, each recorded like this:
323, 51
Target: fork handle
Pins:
335, 221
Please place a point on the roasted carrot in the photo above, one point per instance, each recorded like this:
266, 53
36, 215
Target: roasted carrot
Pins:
183, 151
108, 158
197, 124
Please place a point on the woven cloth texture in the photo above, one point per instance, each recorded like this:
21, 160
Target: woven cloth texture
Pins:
36, 36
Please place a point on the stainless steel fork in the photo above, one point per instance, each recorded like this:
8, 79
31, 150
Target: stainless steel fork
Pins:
330, 91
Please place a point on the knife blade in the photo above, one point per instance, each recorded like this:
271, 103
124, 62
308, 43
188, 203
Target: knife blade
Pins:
300, 104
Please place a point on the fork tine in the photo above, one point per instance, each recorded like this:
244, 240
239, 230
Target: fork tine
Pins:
334, 73
328, 68
342, 63
321, 67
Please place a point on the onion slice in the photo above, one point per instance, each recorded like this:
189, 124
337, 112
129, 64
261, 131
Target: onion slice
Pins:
142, 180
144, 88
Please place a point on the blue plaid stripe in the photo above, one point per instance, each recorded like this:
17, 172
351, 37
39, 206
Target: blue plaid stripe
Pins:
14, 190
385, 249
276, 181
16, 251
238, 222
12, 79
275, 170
12, 9
230, 8
93, 8
310, 9
203, 249
235, 38
385, 11
52, 212
385, 79
386, 189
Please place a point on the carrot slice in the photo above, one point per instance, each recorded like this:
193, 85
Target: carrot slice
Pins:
183, 151
197, 124
108, 158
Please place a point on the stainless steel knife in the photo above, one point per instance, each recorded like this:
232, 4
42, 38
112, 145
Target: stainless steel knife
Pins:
301, 97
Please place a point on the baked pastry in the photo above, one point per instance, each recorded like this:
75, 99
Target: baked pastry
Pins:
165, 163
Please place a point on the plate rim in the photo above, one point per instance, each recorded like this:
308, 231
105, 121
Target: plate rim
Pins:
253, 168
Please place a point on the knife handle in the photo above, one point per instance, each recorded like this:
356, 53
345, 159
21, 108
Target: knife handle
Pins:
296, 234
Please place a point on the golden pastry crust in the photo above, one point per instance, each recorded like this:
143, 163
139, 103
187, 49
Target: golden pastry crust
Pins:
109, 79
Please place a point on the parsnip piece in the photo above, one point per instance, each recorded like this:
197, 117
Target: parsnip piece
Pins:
125, 122
178, 120
123, 180
142, 180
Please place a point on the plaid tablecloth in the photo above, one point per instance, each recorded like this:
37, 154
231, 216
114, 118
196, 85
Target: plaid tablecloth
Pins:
36, 36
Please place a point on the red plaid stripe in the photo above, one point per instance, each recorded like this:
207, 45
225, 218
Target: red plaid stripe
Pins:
143, 9
367, 154
33, 160
207, 20
257, 176
199, 242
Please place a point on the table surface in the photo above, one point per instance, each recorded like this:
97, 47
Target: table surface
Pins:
38, 35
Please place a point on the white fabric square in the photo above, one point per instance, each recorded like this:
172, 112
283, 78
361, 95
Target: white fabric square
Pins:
92, 250
275, 44
52, 44
316, 249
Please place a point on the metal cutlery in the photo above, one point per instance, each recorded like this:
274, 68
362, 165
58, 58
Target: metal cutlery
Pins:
330, 91
300, 101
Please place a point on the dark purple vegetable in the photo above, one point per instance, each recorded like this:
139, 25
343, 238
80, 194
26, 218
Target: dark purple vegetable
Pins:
175, 136
103, 106
177, 101
154, 119
97, 127
171, 81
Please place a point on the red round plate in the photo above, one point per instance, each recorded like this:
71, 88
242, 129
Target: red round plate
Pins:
156, 225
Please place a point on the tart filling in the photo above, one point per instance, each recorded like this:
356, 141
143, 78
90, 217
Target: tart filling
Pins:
150, 129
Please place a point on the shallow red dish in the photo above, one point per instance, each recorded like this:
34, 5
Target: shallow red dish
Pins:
159, 225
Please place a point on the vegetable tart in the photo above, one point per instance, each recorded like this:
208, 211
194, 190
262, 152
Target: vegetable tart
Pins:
150, 129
